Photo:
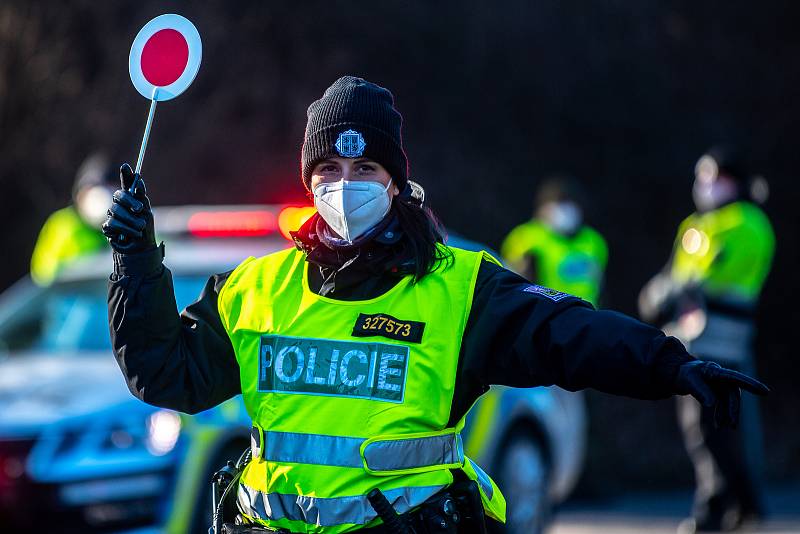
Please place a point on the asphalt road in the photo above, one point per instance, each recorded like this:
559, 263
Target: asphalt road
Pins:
661, 513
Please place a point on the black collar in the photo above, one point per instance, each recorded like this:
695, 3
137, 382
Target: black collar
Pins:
382, 251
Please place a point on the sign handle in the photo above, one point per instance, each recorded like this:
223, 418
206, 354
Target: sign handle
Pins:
146, 136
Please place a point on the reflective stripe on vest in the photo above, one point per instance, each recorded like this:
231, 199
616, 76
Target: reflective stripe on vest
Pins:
383, 454
327, 511
380, 454
483, 479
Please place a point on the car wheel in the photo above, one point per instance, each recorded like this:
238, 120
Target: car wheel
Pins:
522, 474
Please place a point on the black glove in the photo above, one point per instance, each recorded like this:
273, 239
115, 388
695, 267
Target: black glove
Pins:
129, 227
717, 387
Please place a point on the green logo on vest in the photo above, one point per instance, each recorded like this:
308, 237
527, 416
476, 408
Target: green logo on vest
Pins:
328, 367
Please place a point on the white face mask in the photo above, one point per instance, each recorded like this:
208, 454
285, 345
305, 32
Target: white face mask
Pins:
709, 194
352, 208
93, 203
563, 217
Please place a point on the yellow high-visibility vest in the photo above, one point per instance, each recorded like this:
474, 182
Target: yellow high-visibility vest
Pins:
727, 251
64, 238
348, 396
572, 264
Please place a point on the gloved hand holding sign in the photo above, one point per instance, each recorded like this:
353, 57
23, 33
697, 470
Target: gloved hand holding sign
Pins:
129, 227
715, 386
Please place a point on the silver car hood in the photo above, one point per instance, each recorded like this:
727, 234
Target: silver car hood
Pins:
37, 390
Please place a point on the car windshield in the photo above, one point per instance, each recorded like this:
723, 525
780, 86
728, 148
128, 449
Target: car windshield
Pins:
73, 317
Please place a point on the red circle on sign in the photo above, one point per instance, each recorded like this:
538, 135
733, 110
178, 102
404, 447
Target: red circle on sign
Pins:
164, 57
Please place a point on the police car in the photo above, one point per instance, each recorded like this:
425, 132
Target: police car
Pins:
78, 452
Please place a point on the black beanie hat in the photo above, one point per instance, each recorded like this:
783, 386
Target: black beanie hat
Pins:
355, 118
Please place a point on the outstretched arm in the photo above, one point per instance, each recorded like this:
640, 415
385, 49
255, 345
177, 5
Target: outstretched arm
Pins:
522, 336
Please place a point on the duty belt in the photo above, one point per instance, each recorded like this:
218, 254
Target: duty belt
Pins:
453, 510
379, 455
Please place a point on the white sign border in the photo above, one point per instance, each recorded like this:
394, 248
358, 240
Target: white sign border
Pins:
192, 36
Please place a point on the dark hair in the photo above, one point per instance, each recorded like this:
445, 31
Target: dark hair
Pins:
425, 236
559, 188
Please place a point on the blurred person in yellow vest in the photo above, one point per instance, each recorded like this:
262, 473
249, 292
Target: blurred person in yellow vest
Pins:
74, 231
555, 248
707, 297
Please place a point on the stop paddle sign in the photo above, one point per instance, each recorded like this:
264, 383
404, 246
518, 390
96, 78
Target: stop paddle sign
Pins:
164, 59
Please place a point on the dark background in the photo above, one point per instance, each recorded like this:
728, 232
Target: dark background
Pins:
624, 94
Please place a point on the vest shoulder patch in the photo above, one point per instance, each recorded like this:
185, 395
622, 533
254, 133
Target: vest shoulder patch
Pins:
552, 294
382, 324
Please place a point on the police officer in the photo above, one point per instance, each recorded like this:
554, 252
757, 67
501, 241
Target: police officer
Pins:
72, 232
555, 248
707, 295
359, 351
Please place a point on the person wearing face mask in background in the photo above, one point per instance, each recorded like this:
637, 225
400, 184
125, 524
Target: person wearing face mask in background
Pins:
359, 351
74, 231
555, 248
707, 297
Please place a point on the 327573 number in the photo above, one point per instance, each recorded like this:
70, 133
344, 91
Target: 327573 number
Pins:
390, 326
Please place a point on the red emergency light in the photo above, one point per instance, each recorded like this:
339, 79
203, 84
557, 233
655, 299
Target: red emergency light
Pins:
232, 223
292, 218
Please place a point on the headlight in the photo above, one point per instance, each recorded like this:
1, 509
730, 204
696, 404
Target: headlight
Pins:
163, 429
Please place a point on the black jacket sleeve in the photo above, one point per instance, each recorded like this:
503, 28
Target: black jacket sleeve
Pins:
184, 362
519, 336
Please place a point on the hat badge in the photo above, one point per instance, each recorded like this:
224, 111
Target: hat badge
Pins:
350, 144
